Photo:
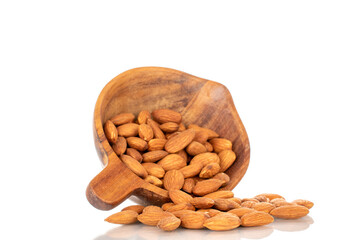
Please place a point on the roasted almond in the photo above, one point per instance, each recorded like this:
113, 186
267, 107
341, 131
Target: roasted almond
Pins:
154, 180
123, 118
123, 217
136, 208
172, 162
256, 218
119, 146
156, 144
248, 204
210, 170
169, 127
195, 148
154, 169
166, 115
290, 212
170, 135
201, 136
222, 222
235, 199
202, 202
205, 158
134, 166
154, 156
143, 116
156, 129
221, 144
152, 208
191, 170
227, 158
132, 152
180, 141
241, 211
225, 204
194, 220
209, 211
137, 143
211, 134
110, 131
220, 194
207, 186
223, 177
270, 196
181, 206
178, 196
153, 218
263, 207
166, 206
169, 223
305, 203
145, 132
173, 180
181, 213
189, 184
128, 130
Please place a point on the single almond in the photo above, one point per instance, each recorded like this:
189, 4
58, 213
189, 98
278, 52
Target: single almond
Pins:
169, 127
156, 144
119, 146
282, 203
208, 146
205, 158
132, 152
154, 180
222, 222
152, 208
136, 208
211, 134
195, 148
166, 115
154, 169
180, 141
128, 130
248, 204
201, 136
263, 207
262, 198
241, 211
270, 196
202, 202
235, 199
134, 166
207, 186
181, 206
173, 180
221, 144
290, 212
123, 118
145, 132
227, 158
194, 220
220, 194
225, 204
256, 218
137, 143
189, 184
172, 162
123, 217
156, 129
153, 218
169, 223
210, 170
110, 131
154, 156
209, 211
143, 116
223, 177
178, 196
305, 203
191, 170
166, 206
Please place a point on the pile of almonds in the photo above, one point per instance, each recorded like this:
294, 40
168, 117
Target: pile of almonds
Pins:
189, 162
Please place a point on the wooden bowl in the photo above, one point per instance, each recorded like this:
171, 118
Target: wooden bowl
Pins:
200, 101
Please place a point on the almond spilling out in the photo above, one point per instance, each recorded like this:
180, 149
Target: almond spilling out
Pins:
194, 220
207, 186
169, 223
256, 218
123, 118
290, 211
222, 222
123, 217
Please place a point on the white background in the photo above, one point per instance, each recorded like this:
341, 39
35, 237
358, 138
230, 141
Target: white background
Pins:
292, 68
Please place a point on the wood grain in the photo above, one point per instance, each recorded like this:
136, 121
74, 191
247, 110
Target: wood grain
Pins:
200, 101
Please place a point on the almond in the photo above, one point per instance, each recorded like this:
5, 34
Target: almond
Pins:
169, 223
241, 211
282, 203
173, 180
305, 203
181, 206
250, 199
154, 169
189, 184
222, 222
223, 177
211, 134
270, 196
166, 206
262, 198
128, 130
119, 146
220, 194
156, 144
170, 135
123, 217
136, 208
210, 170
221, 144
143, 116
153, 180
201, 136
156, 129
263, 207
235, 199
248, 204
166, 115
154, 156
227, 158
195, 148
110, 131
191, 170
132, 152
209, 211
194, 220
153, 218
137, 143
172, 162
205, 158
290, 212
207, 186
181, 213
169, 127
225, 204
134, 166
256, 218
202, 202
178, 196
152, 208
208, 146
277, 200
123, 118
180, 141
145, 132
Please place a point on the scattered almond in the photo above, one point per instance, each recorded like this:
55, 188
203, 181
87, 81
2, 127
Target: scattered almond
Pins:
304, 203
154, 169
136, 208
123, 217
220, 194
223, 177
256, 218
290, 211
169, 223
222, 222
241, 211
225, 204
194, 220
263, 207
154, 180
202, 202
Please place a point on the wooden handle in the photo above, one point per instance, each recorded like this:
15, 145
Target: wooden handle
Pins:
112, 186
